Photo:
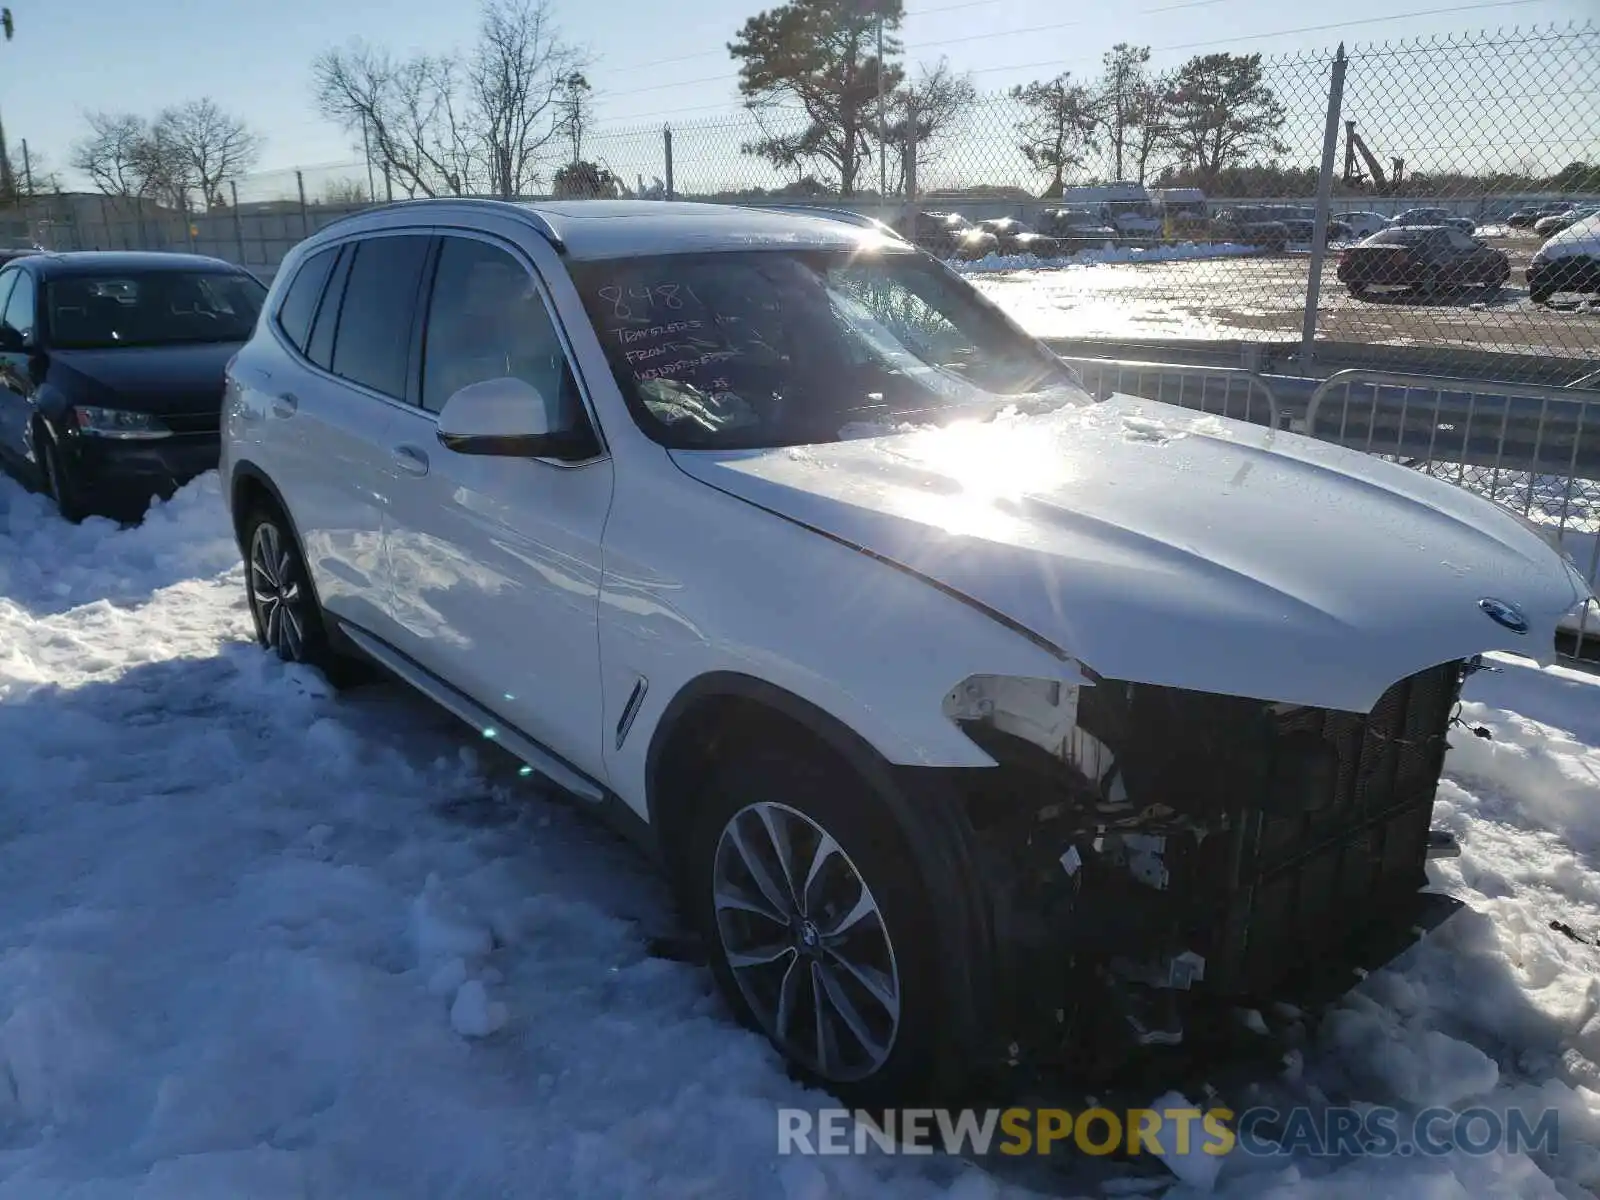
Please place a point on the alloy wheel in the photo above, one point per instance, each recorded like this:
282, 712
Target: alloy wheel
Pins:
806, 942
276, 593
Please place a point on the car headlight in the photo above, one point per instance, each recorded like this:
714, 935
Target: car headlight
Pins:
117, 423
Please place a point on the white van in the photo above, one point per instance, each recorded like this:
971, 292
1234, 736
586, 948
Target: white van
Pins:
1126, 207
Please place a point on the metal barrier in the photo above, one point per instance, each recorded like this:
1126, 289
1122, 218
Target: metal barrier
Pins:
1191, 387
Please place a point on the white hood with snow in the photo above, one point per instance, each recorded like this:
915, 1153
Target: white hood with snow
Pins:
1162, 546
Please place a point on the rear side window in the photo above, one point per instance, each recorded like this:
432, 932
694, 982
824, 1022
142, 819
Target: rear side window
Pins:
300, 301
372, 345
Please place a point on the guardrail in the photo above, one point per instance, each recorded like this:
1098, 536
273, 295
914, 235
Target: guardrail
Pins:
1222, 391
1532, 448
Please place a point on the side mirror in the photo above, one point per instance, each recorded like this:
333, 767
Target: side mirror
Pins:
508, 418
11, 342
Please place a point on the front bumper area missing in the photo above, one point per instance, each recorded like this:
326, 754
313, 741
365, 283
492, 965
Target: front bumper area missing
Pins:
1187, 849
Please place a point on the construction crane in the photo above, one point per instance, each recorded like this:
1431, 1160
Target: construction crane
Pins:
1353, 176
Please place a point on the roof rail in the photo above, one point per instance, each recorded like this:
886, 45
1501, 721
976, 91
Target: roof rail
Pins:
533, 216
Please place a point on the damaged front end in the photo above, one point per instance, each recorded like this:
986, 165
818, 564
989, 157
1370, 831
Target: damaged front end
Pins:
1145, 849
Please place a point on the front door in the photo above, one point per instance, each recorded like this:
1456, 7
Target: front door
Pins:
495, 562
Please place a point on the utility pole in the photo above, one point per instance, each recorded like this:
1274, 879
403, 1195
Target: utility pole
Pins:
27, 167
366, 149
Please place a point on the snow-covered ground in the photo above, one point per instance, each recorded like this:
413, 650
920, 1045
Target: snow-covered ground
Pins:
259, 940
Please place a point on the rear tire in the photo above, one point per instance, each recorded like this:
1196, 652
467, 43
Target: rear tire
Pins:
858, 943
287, 617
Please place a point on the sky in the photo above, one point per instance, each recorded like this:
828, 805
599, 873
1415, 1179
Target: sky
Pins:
651, 64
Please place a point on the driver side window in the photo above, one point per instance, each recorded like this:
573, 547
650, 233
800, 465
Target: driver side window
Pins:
487, 320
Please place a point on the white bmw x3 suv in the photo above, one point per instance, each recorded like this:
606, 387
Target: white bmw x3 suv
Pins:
966, 714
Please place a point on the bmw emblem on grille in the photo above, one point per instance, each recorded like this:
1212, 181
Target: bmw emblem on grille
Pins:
1505, 614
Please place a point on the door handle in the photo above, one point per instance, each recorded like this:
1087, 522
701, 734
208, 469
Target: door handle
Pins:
409, 460
285, 404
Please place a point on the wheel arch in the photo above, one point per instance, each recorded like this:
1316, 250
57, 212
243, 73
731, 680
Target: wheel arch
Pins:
248, 487
920, 801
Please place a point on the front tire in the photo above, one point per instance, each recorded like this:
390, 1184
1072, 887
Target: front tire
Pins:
817, 921
59, 482
287, 617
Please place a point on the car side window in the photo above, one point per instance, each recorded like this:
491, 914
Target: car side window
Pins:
20, 307
7, 279
486, 320
299, 306
372, 343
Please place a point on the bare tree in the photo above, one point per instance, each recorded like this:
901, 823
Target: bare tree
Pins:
445, 125
115, 154
196, 146
519, 77
919, 114
1059, 126
410, 111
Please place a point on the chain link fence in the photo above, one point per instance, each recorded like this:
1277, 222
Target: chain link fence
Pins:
1217, 202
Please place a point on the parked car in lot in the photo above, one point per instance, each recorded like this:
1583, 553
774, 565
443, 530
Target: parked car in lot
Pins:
1434, 216
1526, 218
1364, 224
1568, 262
1301, 224
1076, 229
1251, 227
923, 677
1016, 238
1422, 257
111, 368
950, 235
1549, 226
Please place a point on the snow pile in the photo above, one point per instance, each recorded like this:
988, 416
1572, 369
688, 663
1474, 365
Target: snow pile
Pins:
260, 940
1182, 251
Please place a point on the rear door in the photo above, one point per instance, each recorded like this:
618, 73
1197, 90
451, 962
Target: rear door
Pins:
496, 561
331, 409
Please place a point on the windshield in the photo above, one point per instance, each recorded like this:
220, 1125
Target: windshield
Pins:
150, 308
782, 347
1128, 208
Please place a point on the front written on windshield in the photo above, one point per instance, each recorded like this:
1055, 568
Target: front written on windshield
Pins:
780, 347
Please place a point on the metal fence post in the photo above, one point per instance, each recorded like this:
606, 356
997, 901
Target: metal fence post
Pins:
1319, 233
238, 223
910, 153
666, 143
305, 221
